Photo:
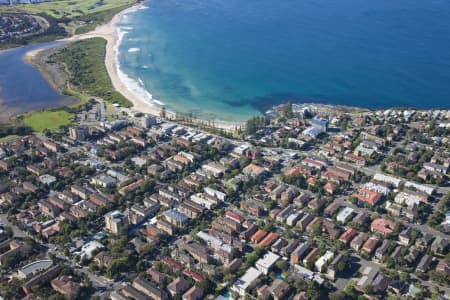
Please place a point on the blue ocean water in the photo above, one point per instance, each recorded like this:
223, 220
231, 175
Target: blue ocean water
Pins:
233, 59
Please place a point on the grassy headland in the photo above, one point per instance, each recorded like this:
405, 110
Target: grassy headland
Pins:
84, 61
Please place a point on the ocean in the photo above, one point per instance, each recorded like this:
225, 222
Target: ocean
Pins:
231, 60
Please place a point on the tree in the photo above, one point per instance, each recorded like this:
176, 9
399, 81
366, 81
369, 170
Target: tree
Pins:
341, 266
288, 113
282, 265
340, 295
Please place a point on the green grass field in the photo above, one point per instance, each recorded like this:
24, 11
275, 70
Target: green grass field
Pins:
67, 8
52, 120
71, 16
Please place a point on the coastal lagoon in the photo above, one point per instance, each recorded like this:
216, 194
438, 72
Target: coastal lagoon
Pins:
22, 88
230, 60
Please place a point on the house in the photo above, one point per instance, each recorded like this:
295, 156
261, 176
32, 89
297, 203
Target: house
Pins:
443, 267
178, 286
80, 191
345, 214
332, 209
116, 221
29, 187
268, 240
289, 248
146, 287
279, 289
194, 293
300, 252
396, 287
304, 221
311, 257
258, 236
214, 169
48, 209
66, 286
383, 250
278, 245
382, 226
361, 218
41, 278
197, 251
412, 256
440, 245
333, 267
103, 180
254, 170
332, 230
254, 207
357, 242
234, 216
12, 248
368, 196
359, 160
130, 292
424, 265
267, 262
103, 259
175, 218
247, 281
284, 213
156, 276
424, 241
348, 235
368, 276
380, 283
234, 265
322, 262
405, 236
317, 203
370, 245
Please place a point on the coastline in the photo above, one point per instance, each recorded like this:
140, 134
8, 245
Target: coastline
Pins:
121, 82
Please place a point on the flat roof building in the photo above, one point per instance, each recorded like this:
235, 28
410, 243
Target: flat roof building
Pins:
266, 263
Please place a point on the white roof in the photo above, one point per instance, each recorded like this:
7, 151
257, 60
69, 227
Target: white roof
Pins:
35, 267
343, 214
89, 248
268, 260
420, 187
386, 178
247, 279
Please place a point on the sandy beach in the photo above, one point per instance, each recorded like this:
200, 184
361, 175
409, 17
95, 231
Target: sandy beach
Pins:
111, 33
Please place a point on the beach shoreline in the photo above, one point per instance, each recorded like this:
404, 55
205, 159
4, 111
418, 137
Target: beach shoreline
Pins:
120, 81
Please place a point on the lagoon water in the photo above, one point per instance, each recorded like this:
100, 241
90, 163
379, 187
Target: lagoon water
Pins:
22, 88
233, 59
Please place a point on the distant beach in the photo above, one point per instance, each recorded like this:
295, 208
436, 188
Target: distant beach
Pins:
128, 87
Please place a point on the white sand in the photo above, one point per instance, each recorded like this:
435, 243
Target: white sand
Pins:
129, 88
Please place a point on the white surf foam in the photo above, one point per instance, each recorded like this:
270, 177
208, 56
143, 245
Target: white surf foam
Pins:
158, 102
134, 86
134, 49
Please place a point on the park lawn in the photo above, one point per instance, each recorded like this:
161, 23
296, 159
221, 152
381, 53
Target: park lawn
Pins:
47, 119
